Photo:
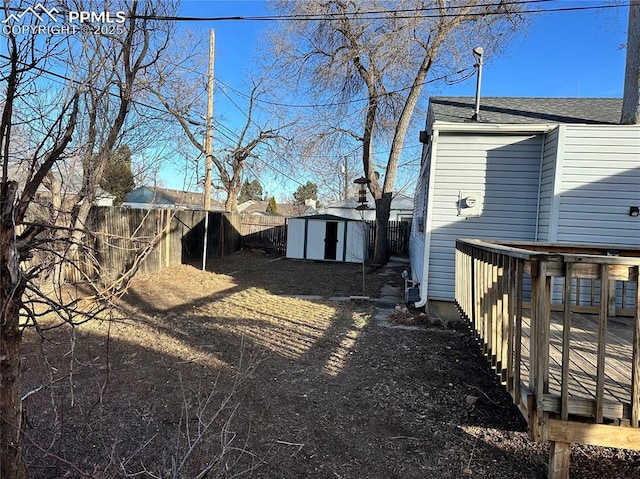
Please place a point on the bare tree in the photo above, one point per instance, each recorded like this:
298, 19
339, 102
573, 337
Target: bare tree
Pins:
116, 66
330, 160
16, 241
184, 103
368, 62
231, 161
44, 135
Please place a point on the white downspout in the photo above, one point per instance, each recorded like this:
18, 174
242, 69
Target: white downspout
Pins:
427, 221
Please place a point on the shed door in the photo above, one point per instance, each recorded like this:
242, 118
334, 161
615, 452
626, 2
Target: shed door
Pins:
331, 240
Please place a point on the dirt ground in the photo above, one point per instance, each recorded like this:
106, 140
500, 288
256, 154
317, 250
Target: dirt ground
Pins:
224, 374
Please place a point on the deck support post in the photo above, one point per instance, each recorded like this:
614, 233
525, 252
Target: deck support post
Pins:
559, 455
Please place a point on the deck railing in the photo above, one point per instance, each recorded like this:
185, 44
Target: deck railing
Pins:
529, 306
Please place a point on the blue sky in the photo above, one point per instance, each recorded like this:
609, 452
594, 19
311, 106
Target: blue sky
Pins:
574, 53
561, 54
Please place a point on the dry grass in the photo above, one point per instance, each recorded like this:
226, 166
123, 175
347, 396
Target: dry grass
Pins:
127, 380
218, 368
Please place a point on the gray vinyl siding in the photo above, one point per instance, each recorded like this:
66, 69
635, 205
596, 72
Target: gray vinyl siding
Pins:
546, 184
506, 170
600, 181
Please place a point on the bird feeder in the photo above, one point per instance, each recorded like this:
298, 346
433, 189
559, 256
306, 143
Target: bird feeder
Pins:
361, 188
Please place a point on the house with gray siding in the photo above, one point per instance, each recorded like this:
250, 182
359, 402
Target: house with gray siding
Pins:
558, 170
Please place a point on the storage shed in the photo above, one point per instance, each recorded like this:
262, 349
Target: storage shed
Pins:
327, 238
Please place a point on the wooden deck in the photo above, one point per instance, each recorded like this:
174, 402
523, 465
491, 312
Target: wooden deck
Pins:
583, 357
560, 324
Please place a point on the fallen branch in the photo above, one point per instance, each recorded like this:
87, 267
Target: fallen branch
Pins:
40, 388
296, 444
485, 394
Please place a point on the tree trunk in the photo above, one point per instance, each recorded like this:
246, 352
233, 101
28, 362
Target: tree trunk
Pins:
12, 464
231, 205
383, 211
11, 461
631, 97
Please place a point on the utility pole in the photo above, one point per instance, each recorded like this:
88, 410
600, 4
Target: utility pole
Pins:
208, 147
208, 141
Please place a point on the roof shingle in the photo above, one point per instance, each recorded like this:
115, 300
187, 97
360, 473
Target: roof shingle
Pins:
527, 110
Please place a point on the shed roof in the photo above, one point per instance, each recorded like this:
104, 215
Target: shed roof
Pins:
324, 217
527, 110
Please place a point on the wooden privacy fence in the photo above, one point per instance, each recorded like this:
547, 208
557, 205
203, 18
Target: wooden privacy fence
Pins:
117, 237
560, 325
265, 232
398, 233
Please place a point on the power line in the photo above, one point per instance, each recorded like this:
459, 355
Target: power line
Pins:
255, 176
228, 133
232, 101
217, 128
373, 14
268, 165
383, 14
466, 71
79, 84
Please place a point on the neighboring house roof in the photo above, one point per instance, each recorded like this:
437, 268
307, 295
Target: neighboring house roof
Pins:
168, 197
180, 197
310, 211
260, 207
253, 206
20, 174
71, 183
527, 110
398, 202
287, 209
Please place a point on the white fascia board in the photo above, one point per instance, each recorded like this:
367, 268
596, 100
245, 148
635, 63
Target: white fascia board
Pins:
507, 128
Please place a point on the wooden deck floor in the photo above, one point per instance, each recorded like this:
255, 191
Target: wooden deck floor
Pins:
583, 360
